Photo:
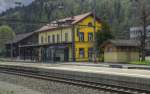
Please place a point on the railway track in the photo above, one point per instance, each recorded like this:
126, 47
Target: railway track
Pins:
59, 78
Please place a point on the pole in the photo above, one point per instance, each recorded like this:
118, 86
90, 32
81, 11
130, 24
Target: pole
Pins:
19, 52
11, 45
143, 43
94, 28
11, 50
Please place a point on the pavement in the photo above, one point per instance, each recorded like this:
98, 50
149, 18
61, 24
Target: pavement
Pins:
98, 64
87, 68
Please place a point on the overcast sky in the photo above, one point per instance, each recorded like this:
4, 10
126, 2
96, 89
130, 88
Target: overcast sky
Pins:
6, 4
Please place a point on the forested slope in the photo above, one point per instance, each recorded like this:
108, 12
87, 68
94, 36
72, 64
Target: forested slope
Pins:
118, 13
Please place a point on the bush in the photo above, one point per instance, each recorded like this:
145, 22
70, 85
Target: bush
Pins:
6, 35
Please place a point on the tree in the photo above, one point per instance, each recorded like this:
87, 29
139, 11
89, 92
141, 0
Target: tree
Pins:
143, 11
6, 34
103, 35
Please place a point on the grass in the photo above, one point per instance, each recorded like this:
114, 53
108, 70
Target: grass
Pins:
140, 62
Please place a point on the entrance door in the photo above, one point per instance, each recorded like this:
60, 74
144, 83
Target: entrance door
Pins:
66, 54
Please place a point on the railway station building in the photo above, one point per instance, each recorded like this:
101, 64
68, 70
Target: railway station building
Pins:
68, 39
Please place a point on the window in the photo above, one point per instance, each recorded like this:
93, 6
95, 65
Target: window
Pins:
42, 40
90, 51
81, 36
81, 52
90, 36
49, 39
78, 30
53, 39
66, 37
90, 24
109, 49
58, 38
45, 39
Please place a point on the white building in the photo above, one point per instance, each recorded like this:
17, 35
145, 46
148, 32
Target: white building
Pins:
135, 34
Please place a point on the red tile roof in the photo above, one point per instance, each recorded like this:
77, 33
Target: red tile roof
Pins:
73, 20
78, 18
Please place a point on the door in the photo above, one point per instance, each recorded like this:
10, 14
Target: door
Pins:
66, 54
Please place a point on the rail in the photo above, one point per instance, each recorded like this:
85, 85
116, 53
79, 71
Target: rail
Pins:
69, 80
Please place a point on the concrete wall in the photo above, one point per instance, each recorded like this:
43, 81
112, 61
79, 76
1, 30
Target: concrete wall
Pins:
121, 56
110, 57
134, 56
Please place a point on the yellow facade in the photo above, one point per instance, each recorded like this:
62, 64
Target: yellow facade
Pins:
60, 32
86, 44
81, 26
47, 37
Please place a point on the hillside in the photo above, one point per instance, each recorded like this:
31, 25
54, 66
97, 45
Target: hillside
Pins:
118, 13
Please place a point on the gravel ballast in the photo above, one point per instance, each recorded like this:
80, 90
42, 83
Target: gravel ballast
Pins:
47, 87
7, 88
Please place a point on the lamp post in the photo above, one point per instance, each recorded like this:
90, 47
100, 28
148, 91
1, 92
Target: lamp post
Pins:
11, 52
11, 45
94, 28
142, 9
18, 4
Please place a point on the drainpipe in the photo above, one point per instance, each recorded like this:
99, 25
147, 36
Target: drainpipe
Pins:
73, 43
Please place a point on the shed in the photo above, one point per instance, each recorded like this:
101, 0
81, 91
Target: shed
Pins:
121, 51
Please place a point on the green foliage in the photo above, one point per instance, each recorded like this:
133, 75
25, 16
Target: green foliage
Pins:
6, 34
103, 35
141, 63
118, 13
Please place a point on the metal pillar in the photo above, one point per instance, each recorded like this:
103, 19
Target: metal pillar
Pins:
11, 53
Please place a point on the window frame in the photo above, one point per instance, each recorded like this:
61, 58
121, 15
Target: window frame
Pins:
110, 49
90, 24
53, 38
42, 39
49, 39
58, 38
66, 37
92, 35
81, 36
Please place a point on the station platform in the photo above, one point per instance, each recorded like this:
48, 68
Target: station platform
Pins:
135, 78
88, 67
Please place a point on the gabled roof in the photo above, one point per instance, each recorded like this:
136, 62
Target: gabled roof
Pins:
20, 37
123, 43
72, 21
50, 27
